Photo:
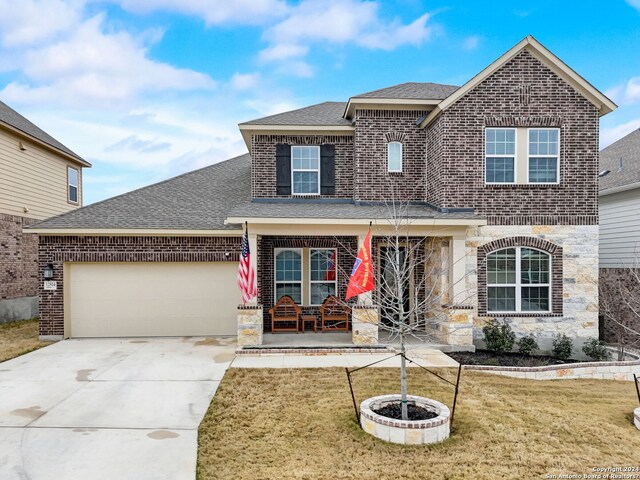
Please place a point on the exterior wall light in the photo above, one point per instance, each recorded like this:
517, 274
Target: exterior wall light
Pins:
47, 272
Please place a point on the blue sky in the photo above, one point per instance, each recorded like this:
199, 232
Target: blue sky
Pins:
148, 89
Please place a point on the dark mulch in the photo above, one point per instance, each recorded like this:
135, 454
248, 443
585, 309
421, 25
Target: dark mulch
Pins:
394, 410
483, 357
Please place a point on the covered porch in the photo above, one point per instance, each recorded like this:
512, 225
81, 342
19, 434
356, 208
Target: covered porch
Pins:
311, 259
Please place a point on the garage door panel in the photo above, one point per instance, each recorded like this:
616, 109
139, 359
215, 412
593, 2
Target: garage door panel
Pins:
152, 299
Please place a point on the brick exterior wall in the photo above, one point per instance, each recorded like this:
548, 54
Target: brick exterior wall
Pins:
376, 128
263, 163
556, 272
346, 251
60, 249
18, 258
524, 92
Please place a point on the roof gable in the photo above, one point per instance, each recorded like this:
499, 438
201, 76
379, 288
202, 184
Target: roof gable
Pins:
622, 160
566, 73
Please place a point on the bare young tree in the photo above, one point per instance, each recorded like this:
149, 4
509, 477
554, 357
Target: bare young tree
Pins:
619, 292
413, 283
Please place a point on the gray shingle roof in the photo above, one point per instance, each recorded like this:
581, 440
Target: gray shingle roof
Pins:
9, 116
326, 113
412, 90
622, 159
197, 200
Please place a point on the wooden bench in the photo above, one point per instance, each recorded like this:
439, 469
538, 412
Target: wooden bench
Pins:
285, 311
335, 312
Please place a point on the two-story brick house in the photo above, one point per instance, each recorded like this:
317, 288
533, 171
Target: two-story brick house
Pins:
39, 178
502, 171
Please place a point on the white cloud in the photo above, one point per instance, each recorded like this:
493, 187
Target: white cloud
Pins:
244, 81
608, 135
627, 93
28, 22
91, 67
355, 22
213, 12
634, 3
471, 42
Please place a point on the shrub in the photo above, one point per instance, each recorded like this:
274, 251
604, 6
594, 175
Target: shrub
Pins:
526, 345
498, 337
562, 347
595, 349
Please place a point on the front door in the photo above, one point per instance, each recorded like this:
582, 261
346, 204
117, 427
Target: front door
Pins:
395, 268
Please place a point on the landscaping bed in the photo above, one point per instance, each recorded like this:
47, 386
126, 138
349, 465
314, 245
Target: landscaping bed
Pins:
300, 424
485, 357
18, 338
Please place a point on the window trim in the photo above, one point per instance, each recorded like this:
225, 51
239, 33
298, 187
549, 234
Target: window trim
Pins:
77, 187
311, 282
293, 185
529, 156
276, 251
518, 285
389, 170
515, 155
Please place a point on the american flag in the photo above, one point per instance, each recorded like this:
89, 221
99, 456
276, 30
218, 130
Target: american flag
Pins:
246, 273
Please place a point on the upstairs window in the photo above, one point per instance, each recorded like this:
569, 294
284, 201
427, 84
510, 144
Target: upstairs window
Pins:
394, 157
73, 176
518, 280
544, 155
500, 155
305, 170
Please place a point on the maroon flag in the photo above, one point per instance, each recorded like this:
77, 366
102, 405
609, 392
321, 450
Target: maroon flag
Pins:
246, 273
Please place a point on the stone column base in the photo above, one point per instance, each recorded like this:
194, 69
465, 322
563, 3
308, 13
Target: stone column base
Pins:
250, 324
457, 329
364, 324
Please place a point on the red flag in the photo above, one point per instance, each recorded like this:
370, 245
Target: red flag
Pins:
361, 279
246, 273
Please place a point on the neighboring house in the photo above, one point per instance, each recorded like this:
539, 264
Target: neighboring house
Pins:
39, 178
619, 209
503, 171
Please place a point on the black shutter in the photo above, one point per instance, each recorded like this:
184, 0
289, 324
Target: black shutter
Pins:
283, 169
327, 170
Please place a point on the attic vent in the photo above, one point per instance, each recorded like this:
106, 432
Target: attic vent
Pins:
525, 94
603, 173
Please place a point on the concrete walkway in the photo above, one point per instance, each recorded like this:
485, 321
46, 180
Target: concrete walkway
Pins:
108, 408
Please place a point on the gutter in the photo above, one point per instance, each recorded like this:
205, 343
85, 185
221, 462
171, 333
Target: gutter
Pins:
621, 188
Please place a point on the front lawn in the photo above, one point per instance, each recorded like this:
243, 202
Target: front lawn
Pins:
300, 424
18, 338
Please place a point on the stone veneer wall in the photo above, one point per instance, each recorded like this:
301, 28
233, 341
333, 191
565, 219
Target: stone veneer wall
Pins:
578, 316
263, 163
376, 128
60, 249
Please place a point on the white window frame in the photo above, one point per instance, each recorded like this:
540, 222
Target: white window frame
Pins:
515, 155
293, 185
389, 169
276, 251
518, 284
311, 282
529, 156
69, 185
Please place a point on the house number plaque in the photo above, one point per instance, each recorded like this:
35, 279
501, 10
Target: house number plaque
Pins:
50, 285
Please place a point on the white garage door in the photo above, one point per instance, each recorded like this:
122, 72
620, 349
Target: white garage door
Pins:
151, 299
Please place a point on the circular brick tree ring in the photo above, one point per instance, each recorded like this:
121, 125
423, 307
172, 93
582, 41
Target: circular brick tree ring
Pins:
636, 417
411, 432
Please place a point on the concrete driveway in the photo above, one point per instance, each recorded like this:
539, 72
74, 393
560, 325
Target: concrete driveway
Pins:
108, 408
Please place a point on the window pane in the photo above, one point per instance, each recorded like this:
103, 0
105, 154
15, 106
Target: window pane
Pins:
543, 170
394, 157
305, 182
288, 266
501, 299
534, 266
73, 194
535, 299
305, 158
323, 265
500, 170
500, 141
543, 142
73, 177
320, 291
501, 266
294, 290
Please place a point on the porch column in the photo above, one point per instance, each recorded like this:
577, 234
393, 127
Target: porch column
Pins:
365, 316
250, 319
457, 327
